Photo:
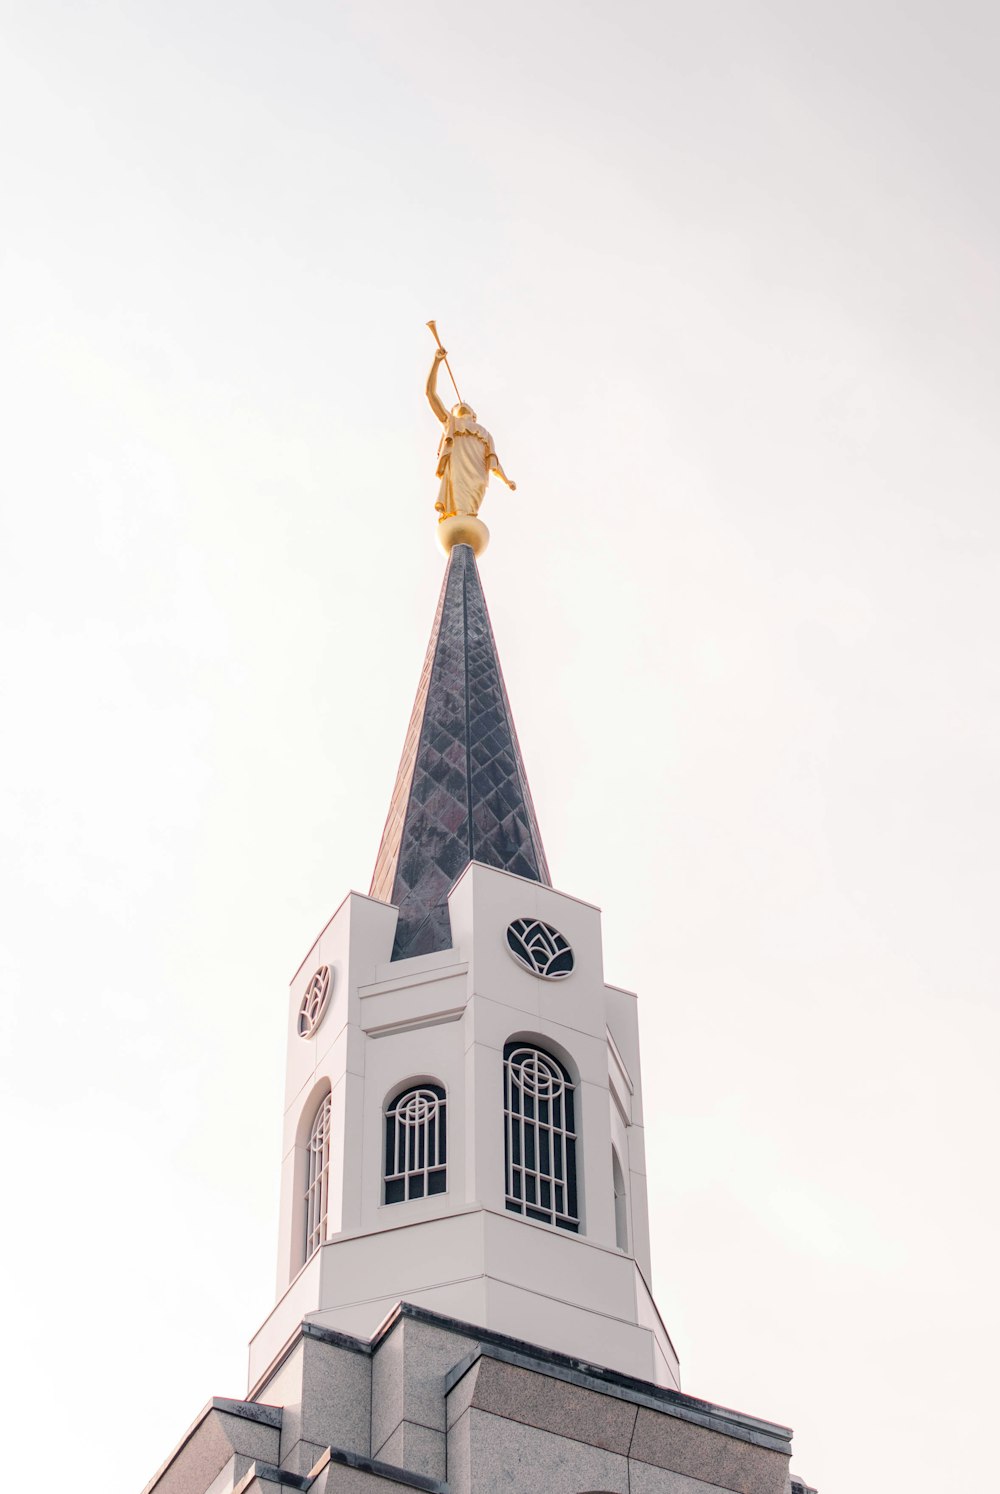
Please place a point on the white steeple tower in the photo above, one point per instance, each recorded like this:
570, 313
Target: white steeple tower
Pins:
464, 1301
463, 1121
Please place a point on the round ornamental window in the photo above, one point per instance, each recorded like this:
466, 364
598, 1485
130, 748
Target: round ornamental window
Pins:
312, 1008
542, 948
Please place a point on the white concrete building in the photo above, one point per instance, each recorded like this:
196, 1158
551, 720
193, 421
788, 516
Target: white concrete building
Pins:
464, 1293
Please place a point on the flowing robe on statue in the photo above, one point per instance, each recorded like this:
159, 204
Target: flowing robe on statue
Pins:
466, 457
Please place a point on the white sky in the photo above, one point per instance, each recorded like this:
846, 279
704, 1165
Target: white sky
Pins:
722, 280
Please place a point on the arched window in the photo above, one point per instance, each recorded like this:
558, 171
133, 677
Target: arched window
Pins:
621, 1202
416, 1144
540, 1137
318, 1177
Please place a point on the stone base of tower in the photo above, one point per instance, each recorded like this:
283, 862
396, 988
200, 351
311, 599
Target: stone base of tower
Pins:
432, 1403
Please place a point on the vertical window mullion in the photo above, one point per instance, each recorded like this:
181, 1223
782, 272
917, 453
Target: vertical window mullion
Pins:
424, 1136
509, 1107
318, 1177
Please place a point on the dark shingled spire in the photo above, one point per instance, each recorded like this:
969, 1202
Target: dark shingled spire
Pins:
461, 792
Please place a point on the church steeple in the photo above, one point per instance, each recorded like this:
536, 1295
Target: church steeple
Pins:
461, 792
464, 1293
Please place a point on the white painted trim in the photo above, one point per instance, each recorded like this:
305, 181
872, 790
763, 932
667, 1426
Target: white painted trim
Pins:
626, 1120
434, 1019
404, 982
620, 1062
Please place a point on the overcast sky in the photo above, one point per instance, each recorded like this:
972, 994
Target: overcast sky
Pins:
721, 278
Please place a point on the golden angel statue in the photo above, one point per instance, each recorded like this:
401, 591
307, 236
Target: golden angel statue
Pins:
466, 455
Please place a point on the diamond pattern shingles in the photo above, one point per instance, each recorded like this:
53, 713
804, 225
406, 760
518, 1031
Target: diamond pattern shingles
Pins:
461, 792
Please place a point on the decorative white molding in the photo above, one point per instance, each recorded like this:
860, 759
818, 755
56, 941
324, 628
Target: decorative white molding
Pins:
407, 982
318, 1184
616, 1054
540, 948
619, 1080
413, 1024
315, 1000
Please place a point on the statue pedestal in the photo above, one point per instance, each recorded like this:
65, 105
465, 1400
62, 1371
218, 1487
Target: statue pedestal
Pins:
462, 529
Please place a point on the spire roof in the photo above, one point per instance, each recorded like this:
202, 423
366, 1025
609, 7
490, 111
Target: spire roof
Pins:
461, 792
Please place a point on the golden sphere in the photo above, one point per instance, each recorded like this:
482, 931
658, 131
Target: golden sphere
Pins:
463, 529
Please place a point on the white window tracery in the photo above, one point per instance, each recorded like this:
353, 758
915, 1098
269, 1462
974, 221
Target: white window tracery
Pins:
416, 1144
318, 1176
540, 1139
315, 999
542, 948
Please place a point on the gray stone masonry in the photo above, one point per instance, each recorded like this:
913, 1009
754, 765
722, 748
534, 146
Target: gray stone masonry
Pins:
226, 1435
437, 1405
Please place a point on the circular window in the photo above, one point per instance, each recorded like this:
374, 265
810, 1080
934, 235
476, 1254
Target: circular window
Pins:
312, 1008
542, 948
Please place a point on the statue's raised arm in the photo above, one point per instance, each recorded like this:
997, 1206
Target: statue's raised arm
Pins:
433, 398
